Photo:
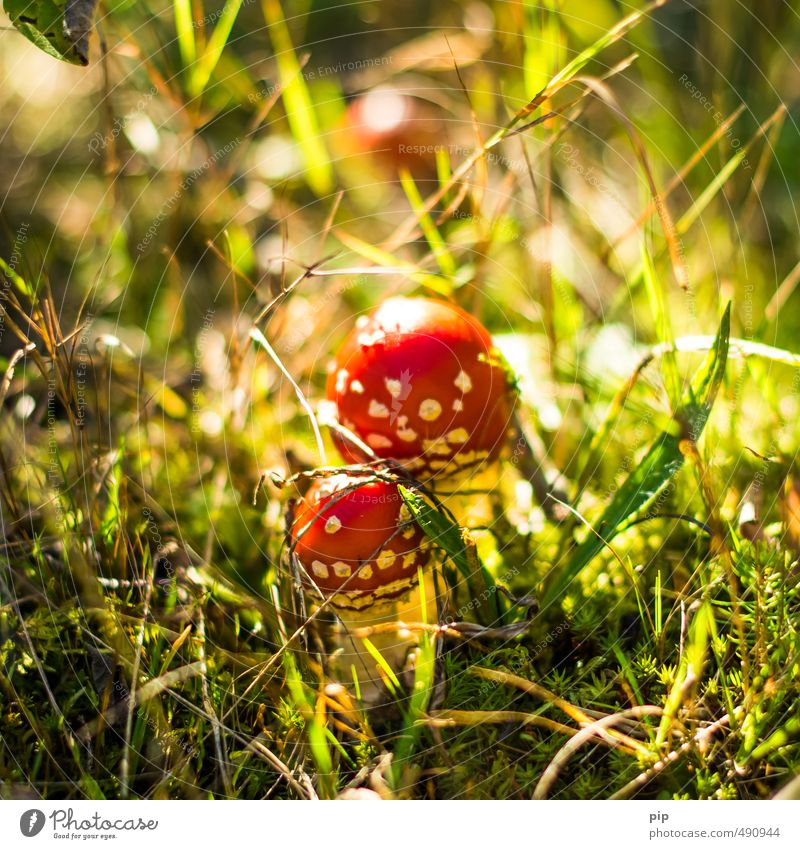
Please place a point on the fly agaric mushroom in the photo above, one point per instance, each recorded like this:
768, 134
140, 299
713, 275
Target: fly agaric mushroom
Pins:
394, 128
419, 381
360, 549
357, 542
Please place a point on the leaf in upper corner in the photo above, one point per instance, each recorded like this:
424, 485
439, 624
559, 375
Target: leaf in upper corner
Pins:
658, 466
60, 28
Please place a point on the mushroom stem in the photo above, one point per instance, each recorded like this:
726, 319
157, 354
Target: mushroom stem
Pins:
467, 498
531, 456
353, 658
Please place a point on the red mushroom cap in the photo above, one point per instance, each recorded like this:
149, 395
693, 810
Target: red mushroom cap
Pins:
357, 541
418, 380
395, 128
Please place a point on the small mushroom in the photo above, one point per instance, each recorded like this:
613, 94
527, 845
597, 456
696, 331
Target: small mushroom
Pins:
357, 542
390, 129
420, 382
360, 549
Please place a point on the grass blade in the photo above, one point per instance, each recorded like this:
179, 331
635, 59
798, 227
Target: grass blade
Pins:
52, 27
437, 244
184, 27
315, 729
297, 101
18, 281
656, 469
204, 68
658, 307
450, 538
392, 681
424, 669
608, 38
691, 670
384, 259
439, 529
715, 186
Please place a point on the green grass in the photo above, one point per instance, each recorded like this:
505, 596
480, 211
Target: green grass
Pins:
153, 640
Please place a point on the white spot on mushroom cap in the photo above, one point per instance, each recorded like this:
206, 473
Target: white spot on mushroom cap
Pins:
436, 446
394, 387
362, 321
341, 570
458, 405
365, 572
341, 380
328, 486
319, 569
357, 386
430, 410
378, 440
333, 524
386, 558
368, 338
459, 435
463, 381
378, 410
407, 434
409, 559
359, 599
465, 458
